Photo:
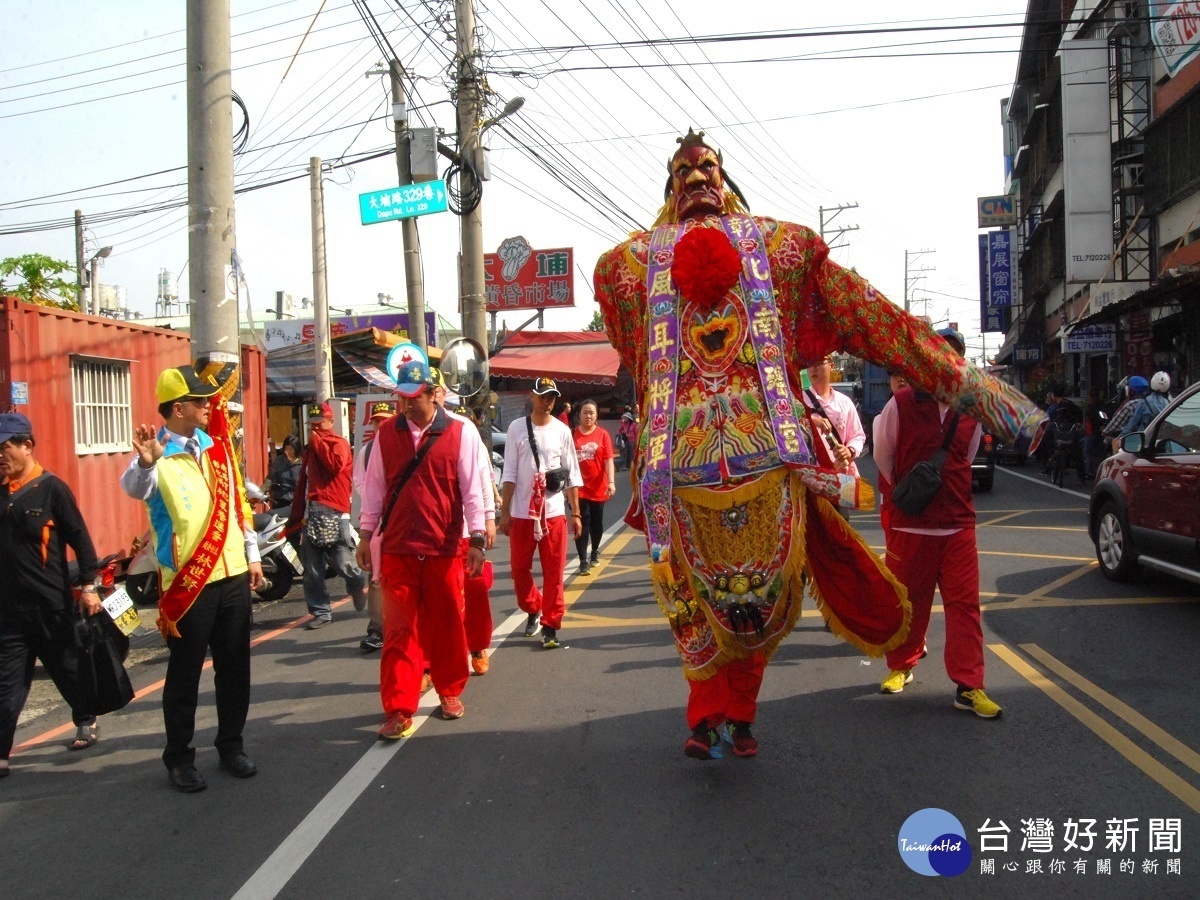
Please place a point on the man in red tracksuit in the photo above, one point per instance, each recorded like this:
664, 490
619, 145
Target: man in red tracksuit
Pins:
935, 548
421, 484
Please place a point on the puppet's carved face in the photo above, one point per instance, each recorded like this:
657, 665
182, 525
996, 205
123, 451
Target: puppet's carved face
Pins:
697, 187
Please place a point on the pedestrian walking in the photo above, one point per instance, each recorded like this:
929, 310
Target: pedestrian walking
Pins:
322, 503
39, 520
626, 437
381, 411
935, 548
540, 484
208, 563
594, 450
421, 484
477, 608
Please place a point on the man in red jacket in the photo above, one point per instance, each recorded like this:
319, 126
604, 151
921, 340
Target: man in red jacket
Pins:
322, 501
935, 548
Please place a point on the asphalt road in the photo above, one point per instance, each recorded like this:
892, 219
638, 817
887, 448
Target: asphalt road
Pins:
566, 777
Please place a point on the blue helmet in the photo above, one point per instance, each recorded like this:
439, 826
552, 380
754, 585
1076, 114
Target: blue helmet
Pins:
1139, 385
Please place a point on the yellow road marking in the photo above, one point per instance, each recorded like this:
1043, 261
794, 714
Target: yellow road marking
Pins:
1076, 530
1175, 747
1058, 582
1003, 518
1104, 730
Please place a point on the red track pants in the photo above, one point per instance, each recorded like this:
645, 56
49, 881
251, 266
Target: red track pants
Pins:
552, 551
951, 564
731, 693
478, 607
422, 620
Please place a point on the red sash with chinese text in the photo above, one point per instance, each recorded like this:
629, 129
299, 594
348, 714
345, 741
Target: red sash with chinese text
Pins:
193, 575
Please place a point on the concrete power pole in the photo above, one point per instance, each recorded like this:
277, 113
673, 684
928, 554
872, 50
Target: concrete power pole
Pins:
471, 279
211, 237
412, 254
837, 232
79, 262
910, 279
323, 368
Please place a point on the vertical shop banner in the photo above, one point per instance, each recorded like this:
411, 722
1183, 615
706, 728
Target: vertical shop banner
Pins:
995, 280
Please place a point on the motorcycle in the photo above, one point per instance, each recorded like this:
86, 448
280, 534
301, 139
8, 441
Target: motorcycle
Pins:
280, 562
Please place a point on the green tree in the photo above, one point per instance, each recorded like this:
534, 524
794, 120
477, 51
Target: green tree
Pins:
597, 323
39, 280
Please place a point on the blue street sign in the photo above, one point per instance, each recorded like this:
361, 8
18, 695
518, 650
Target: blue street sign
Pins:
403, 202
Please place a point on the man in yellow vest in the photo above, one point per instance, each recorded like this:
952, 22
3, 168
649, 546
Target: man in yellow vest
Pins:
208, 563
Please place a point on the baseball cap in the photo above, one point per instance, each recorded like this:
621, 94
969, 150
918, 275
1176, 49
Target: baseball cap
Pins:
413, 378
545, 386
952, 335
382, 409
319, 411
180, 383
12, 424
438, 380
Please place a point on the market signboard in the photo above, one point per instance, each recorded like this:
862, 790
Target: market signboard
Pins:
518, 277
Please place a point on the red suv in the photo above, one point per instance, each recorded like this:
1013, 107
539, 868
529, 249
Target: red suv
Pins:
1145, 507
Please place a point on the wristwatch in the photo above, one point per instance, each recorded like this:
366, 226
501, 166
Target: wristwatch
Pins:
478, 541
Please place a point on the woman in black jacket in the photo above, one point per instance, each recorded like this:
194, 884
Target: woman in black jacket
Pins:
285, 469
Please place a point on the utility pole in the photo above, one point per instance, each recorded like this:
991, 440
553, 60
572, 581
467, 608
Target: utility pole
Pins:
322, 372
916, 274
408, 227
835, 210
79, 265
211, 237
472, 297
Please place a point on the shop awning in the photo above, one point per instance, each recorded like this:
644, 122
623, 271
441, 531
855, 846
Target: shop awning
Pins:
573, 357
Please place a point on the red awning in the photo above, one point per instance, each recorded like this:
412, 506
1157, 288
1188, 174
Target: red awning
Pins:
584, 363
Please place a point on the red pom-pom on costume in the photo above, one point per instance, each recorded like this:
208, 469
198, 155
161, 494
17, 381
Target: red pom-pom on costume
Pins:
706, 266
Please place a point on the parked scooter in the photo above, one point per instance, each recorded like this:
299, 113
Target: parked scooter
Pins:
280, 562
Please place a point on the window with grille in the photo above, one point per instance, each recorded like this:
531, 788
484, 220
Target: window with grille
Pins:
103, 420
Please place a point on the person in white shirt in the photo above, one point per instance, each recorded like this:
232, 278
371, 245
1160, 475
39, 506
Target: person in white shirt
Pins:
835, 417
535, 496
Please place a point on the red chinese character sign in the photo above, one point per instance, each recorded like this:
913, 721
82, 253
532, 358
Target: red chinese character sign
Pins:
519, 277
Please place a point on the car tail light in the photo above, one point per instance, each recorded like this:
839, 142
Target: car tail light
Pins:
987, 443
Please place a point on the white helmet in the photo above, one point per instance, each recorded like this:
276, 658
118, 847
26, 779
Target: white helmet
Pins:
1161, 382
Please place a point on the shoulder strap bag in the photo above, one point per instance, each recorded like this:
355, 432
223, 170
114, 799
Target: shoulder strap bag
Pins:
922, 482
556, 479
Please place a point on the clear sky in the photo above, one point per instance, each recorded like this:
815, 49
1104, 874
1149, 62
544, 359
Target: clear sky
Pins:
895, 111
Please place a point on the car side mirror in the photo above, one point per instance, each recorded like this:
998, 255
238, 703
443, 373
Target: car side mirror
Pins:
1134, 443
464, 367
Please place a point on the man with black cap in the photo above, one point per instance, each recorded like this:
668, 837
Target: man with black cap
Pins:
39, 519
208, 563
936, 547
541, 481
322, 502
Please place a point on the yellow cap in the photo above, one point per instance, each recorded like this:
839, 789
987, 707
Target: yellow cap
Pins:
180, 383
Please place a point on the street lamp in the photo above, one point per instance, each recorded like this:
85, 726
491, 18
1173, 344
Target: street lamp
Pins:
94, 280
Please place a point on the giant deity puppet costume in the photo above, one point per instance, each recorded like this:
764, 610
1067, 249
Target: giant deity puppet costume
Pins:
716, 313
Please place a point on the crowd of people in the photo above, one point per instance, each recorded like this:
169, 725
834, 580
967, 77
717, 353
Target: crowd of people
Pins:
743, 466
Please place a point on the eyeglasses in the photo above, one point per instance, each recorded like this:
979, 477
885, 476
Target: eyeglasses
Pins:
195, 401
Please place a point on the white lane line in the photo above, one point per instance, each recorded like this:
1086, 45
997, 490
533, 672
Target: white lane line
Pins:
1044, 482
274, 874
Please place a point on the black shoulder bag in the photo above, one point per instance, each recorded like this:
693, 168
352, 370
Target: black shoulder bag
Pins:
556, 479
916, 489
402, 478
819, 407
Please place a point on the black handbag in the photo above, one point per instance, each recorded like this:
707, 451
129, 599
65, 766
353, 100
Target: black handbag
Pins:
105, 682
556, 478
920, 485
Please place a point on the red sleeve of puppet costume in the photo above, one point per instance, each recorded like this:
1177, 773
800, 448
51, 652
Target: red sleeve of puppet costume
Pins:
824, 308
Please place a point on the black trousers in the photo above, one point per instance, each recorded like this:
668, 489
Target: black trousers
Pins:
29, 635
219, 620
592, 513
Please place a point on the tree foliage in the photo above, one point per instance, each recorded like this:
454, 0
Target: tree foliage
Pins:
597, 323
38, 280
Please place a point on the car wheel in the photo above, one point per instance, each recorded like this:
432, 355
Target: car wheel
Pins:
1114, 546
